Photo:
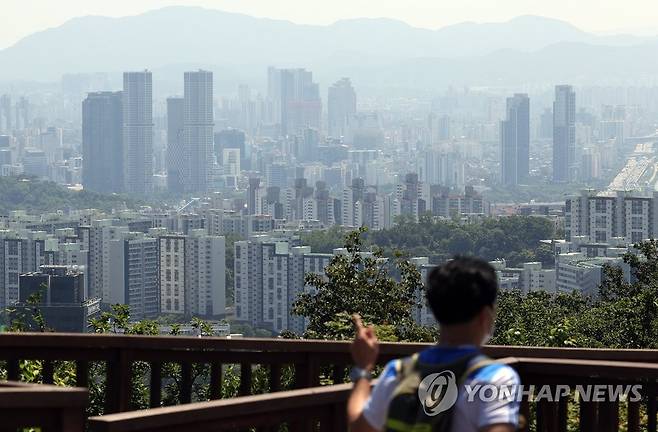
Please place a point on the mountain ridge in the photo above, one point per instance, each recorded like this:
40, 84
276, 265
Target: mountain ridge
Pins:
190, 34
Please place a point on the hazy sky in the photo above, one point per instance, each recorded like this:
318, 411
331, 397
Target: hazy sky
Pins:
19, 18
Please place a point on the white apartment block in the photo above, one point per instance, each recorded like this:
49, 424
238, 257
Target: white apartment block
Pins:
535, 278
99, 235
192, 274
269, 274
20, 252
133, 274
171, 250
423, 316
577, 272
601, 218
302, 262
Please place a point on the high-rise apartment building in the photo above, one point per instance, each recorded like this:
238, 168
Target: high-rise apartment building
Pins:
98, 236
515, 141
192, 274
138, 132
600, 218
134, 274
269, 275
20, 252
231, 139
175, 148
198, 131
341, 107
102, 142
564, 134
5, 114
296, 99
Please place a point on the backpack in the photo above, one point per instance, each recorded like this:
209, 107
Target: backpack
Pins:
439, 383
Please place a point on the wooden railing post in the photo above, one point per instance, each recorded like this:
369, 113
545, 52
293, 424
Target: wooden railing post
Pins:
338, 374
118, 383
563, 413
155, 385
48, 372
588, 416
186, 382
215, 380
81, 373
245, 379
608, 416
13, 370
651, 409
275, 377
633, 417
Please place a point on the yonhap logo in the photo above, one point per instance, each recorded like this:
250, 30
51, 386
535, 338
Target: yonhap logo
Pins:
438, 392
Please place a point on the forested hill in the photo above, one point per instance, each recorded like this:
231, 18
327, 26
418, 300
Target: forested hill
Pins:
35, 196
514, 238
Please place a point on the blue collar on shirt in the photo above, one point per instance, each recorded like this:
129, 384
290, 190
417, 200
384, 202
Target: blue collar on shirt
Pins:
446, 354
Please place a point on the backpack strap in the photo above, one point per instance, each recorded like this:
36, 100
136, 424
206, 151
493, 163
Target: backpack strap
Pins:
406, 365
480, 362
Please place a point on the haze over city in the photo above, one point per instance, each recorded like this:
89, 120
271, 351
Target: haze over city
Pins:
295, 171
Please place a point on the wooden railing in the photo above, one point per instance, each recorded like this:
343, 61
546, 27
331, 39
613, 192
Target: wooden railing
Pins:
324, 407
120, 352
299, 410
307, 360
604, 415
47, 407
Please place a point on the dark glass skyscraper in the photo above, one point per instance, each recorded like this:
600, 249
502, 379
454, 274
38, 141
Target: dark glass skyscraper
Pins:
175, 149
515, 141
564, 134
102, 142
341, 107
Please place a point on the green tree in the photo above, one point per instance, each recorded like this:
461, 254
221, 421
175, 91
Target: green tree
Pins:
359, 281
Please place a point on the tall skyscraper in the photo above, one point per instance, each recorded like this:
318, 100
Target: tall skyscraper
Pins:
102, 142
198, 130
295, 98
5, 113
515, 141
564, 134
341, 107
232, 139
138, 132
175, 147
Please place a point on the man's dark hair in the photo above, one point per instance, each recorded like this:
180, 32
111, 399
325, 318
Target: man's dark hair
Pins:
459, 289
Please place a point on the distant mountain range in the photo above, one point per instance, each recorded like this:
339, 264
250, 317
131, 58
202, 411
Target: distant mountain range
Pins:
374, 52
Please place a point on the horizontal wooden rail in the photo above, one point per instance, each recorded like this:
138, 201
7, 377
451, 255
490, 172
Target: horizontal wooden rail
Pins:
320, 405
47, 407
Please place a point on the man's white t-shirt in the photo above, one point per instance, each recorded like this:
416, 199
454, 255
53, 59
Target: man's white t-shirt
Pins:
468, 415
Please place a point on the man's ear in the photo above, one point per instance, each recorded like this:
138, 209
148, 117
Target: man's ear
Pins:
487, 315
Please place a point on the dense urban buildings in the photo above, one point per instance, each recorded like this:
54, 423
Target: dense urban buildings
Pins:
213, 185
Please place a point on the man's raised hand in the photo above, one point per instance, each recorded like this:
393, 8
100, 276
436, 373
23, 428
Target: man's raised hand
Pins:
365, 347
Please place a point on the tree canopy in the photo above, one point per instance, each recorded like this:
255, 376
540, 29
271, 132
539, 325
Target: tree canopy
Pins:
36, 196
